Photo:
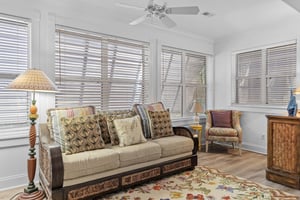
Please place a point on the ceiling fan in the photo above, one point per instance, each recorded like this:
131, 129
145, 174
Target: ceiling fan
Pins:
161, 12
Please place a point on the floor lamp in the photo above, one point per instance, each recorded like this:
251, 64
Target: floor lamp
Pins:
33, 80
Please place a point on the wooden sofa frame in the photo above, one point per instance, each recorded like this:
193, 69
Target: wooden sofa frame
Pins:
51, 171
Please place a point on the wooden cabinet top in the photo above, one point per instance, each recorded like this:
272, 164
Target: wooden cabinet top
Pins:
282, 117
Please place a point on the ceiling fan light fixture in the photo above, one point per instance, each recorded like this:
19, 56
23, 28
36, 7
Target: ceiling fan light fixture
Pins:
161, 12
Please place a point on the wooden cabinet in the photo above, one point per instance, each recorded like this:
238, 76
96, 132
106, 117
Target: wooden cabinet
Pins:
283, 164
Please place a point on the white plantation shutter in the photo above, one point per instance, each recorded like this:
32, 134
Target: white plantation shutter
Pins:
266, 76
105, 71
14, 59
183, 79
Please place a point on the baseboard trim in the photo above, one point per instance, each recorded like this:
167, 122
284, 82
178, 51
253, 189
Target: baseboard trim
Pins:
250, 147
254, 148
14, 181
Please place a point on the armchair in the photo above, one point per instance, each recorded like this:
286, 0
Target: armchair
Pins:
223, 126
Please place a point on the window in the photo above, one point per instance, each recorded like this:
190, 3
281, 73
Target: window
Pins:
183, 79
96, 69
14, 59
265, 76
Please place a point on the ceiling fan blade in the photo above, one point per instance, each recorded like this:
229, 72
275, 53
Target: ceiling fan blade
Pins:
191, 10
139, 20
124, 5
167, 21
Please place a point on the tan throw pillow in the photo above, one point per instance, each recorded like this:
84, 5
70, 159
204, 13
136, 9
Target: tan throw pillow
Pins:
110, 125
82, 134
221, 118
161, 125
54, 123
129, 131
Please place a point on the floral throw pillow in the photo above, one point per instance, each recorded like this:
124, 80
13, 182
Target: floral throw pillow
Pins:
129, 131
82, 134
161, 125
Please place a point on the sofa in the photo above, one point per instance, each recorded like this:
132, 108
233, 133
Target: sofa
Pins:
85, 153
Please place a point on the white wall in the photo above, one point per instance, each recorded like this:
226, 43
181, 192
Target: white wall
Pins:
253, 121
44, 14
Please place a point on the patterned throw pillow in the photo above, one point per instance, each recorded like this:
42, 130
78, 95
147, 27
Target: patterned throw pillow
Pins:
110, 117
221, 118
161, 125
82, 134
129, 131
104, 128
142, 110
54, 123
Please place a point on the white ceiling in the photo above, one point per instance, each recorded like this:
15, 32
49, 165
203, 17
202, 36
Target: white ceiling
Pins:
231, 16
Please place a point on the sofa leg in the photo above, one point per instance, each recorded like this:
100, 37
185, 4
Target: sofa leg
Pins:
206, 146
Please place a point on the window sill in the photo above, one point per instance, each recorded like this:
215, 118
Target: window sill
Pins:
260, 109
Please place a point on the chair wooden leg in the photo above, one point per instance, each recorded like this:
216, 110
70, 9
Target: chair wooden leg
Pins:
240, 148
232, 145
206, 146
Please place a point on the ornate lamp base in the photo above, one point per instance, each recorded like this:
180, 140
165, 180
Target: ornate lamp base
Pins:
37, 195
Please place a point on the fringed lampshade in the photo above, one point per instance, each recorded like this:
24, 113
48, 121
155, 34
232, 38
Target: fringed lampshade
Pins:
33, 80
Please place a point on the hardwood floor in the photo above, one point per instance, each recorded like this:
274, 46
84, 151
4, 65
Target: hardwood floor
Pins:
250, 166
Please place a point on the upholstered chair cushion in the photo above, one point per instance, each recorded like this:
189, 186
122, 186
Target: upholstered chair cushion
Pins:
161, 125
229, 132
54, 123
129, 131
82, 134
222, 118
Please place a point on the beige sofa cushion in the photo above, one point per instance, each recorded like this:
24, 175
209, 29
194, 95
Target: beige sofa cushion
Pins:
90, 162
174, 145
138, 153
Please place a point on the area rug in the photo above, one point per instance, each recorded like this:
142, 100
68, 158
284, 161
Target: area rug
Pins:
202, 184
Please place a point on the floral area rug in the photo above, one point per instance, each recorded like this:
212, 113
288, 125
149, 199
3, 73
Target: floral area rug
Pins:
202, 184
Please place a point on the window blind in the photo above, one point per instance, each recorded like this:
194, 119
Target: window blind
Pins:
249, 77
266, 76
281, 77
96, 69
14, 59
183, 79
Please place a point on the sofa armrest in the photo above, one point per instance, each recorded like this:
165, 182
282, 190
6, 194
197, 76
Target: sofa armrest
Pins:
184, 131
50, 160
